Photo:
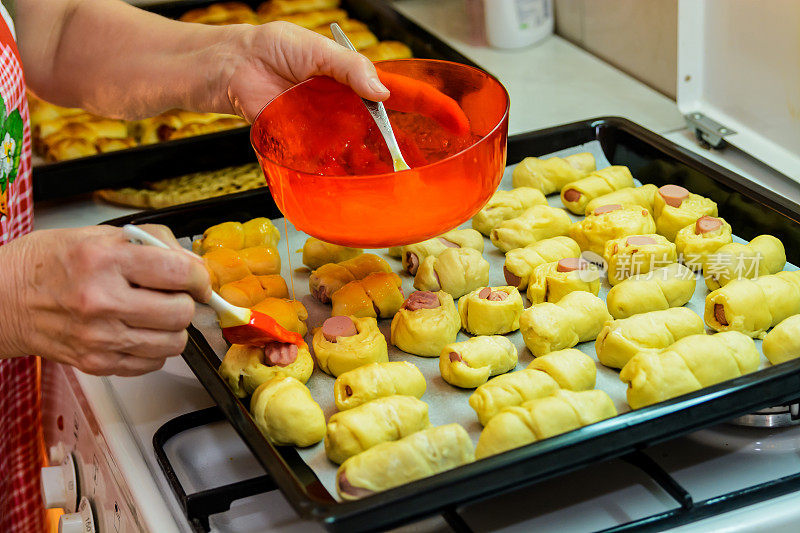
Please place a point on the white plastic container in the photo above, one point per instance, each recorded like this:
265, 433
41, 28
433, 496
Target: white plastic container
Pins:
517, 23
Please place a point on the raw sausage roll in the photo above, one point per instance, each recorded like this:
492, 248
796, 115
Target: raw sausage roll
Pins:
426, 323
251, 289
490, 310
609, 222
317, 253
472, 362
329, 278
225, 265
689, 364
552, 281
382, 420
552, 174
504, 205
754, 306
290, 314
286, 414
535, 224
675, 208
235, 236
395, 251
697, 241
508, 390
456, 271
662, 288
344, 343
637, 254
414, 254
520, 262
643, 196
577, 194
783, 342
244, 368
543, 418
377, 380
571, 369
378, 295
763, 255
395, 463
622, 339
577, 317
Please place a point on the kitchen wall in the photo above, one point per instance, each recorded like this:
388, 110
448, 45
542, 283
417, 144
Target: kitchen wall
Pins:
639, 37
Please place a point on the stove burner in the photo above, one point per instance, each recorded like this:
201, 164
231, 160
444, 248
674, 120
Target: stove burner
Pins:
771, 417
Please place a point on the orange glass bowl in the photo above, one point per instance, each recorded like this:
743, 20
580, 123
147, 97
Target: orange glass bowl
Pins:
295, 131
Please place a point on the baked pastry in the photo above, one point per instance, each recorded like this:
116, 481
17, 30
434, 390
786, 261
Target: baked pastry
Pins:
504, 205
577, 194
552, 174
290, 314
520, 262
543, 418
378, 295
414, 254
377, 380
697, 241
331, 277
165, 127
506, 390
675, 208
753, 306
250, 290
311, 19
689, 364
661, 288
783, 342
637, 254
343, 343
386, 50
395, 463
235, 235
620, 340
455, 271
491, 310
244, 368
276, 8
472, 362
571, 369
317, 253
221, 13
104, 144
382, 420
535, 224
763, 255
577, 317
643, 196
286, 414
609, 222
552, 281
425, 323
356, 31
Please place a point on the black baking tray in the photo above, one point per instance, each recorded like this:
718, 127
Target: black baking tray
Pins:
750, 208
221, 149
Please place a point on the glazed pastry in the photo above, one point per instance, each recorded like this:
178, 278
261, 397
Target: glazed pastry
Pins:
675, 208
783, 342
414, 254
357, 32
378, 295
643, 196
225, 265
251, 289
382, 420
386, 50
662, 288
552, 281
753, 306
491, 310
763, 255
456, 271
472, 362
571, 369
543, 418
637, 254
577, 317
520, 262
313, 19
552, 174
221, 13
425, 323
504, 205
535, 224
329, 278
286, 414
696, 242
395, 463
276, 8
506, 390
577, 194
377, 380
622, 339
244, 368
344, 343
609, 222
290, 314
234, 235
317, 253
688, 365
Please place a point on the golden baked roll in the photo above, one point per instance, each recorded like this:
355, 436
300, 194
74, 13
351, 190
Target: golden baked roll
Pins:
689, 364
286, 414
520, 262
197, 128
425, 323
89, 130
661, 288
763, 255
381, 420
359, 34
643, 196
675, 208
221, 13
347, 25
783, 342
343, 343
66, 149
276, 8
456, 271
577, 194
571, 369
696, 242
472, 362
244, 368
378, 295
387, 50
312, 19
637, 254
491, 310
377, 380
535, 224
504, 205
235, 235
46, 128
414, 254
507, 390
552, 281
317, 253
610, 222
331, 277
43, 111
552, 174
105, 145
250, 290
290, 314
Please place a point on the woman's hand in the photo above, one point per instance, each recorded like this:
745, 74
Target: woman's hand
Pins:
89, 298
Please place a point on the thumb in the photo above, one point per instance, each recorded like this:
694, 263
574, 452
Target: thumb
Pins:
353, 69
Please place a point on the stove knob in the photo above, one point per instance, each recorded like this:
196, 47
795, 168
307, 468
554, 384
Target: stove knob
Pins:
80, 522
60, 486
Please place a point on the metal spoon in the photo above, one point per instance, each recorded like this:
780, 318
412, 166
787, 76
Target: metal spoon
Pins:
375, 109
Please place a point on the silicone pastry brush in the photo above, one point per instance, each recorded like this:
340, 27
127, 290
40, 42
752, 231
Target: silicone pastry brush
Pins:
239, 325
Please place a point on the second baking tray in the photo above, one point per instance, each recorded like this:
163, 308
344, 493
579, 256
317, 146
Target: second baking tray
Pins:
751, 210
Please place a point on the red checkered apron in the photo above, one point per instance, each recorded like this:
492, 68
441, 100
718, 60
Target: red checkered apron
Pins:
20, 419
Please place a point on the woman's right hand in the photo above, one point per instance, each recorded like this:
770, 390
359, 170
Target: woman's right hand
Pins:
89, 298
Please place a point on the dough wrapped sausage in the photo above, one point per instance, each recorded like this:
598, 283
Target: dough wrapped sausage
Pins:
244, 368
395, 251
235, 236
504, 205
552, 174
571, 369
251, 289
491, 310
331, 277
377, 380
225, 265
610, 222
783, 342
662, 288
689, 364
290, 314
286, 414
552, 281
675, 208
317, 253
472, 362
535, 224
577, 194
426, 323
456, 271
390, 464
622, 339
341, 346
763, 255
577, 317
414, 254
378, 295
637, 254
506, 390
382, 420
520, 262
643, 196
697, 241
